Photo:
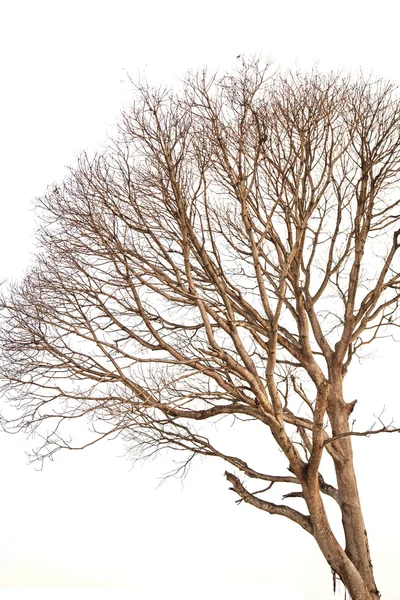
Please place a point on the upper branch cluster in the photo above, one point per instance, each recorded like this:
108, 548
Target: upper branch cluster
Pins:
228, 254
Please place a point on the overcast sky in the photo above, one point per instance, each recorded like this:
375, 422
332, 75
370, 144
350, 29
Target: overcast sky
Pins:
89, 520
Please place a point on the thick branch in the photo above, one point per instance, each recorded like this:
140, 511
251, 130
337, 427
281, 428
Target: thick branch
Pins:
274, 509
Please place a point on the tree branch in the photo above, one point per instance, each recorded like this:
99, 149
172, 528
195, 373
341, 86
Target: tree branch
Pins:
273, 509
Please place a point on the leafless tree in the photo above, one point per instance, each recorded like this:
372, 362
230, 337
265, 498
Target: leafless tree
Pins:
227, 255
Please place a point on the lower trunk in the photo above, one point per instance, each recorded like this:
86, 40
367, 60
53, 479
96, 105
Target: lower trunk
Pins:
357, 548
357, 585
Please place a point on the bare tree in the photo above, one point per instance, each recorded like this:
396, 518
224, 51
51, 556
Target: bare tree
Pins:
228, 254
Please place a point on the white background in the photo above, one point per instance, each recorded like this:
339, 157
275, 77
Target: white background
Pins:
89, 520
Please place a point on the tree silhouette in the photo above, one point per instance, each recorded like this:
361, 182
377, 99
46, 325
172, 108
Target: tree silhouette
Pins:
227, 255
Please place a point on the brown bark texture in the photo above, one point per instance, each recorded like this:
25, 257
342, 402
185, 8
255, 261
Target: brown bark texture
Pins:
228, 254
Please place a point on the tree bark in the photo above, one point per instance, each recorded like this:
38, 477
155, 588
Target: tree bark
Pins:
336, 557
356, 540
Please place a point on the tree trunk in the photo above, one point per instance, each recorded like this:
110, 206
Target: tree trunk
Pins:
357, 585
357, 547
